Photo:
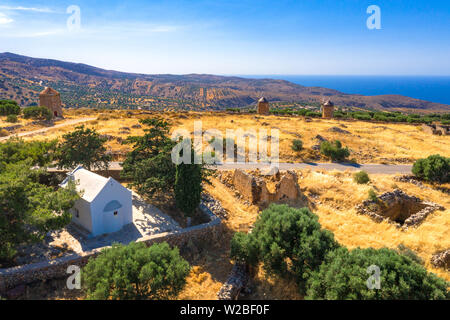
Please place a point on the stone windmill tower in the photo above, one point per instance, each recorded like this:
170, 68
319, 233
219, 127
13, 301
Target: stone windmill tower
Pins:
327, 109
51, 99
263, 106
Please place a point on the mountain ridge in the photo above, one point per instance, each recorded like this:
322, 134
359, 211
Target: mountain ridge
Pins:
22, 77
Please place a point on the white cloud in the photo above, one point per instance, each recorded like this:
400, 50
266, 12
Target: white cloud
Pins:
43, 10
4, 19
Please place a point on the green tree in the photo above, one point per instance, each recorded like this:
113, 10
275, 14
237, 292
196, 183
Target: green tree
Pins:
135, 272
435, 168
334, 150
344, 276
361, 177
188, 187
14, 150
289, 242
9, 107
82, 146
37, 113
28, 209
149, 165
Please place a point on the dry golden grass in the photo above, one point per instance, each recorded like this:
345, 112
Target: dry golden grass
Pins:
336, 195
368, 142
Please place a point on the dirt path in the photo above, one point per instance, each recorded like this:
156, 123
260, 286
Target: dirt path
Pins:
66, 123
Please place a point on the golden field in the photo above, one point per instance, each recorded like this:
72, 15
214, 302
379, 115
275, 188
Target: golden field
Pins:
368, 142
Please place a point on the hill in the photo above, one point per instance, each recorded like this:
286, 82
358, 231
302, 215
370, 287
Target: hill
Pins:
81, 85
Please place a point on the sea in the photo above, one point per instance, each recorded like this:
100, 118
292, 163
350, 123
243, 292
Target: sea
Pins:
430, 88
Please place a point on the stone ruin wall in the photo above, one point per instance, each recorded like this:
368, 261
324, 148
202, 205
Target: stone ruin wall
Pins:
255, 190
435, 129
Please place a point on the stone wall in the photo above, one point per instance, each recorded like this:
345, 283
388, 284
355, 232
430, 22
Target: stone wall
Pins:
440, 130
255, 190
247, 185
57, 268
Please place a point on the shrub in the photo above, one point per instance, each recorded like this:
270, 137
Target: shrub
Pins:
4, 133
297, 145
37, 113
435, 168
289, 242
9, 107
12, 118
361, 177
345, 275
135, 272
373, 195
334, 150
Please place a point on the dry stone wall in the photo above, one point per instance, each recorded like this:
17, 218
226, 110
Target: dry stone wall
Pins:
255, 190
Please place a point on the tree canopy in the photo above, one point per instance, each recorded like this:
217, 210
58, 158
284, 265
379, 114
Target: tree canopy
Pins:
289, 241
344, 275
28, 209
135, 272
83, 146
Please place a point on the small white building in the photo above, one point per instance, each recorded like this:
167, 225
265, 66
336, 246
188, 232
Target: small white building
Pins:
105, 205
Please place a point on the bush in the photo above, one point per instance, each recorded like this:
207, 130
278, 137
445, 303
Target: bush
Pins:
435, 168
344, 275
361, 177
297, 145
4, 133
289, 241
37, 113
12, 118
9, 107
373, 195
334, 150
135, 272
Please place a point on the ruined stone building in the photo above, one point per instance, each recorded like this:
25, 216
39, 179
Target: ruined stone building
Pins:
327, 109
440, 130
263, 106
51, 99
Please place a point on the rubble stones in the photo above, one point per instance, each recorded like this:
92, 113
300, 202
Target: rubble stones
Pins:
399, 208
441, 259
235, 283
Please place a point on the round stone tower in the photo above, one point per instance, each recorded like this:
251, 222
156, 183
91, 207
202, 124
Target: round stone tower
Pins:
263, 106
51, 99
327, 109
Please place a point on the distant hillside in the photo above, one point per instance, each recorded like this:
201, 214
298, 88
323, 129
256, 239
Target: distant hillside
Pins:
22, 78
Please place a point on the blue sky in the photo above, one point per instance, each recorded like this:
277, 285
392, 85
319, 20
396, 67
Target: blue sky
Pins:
235, 37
